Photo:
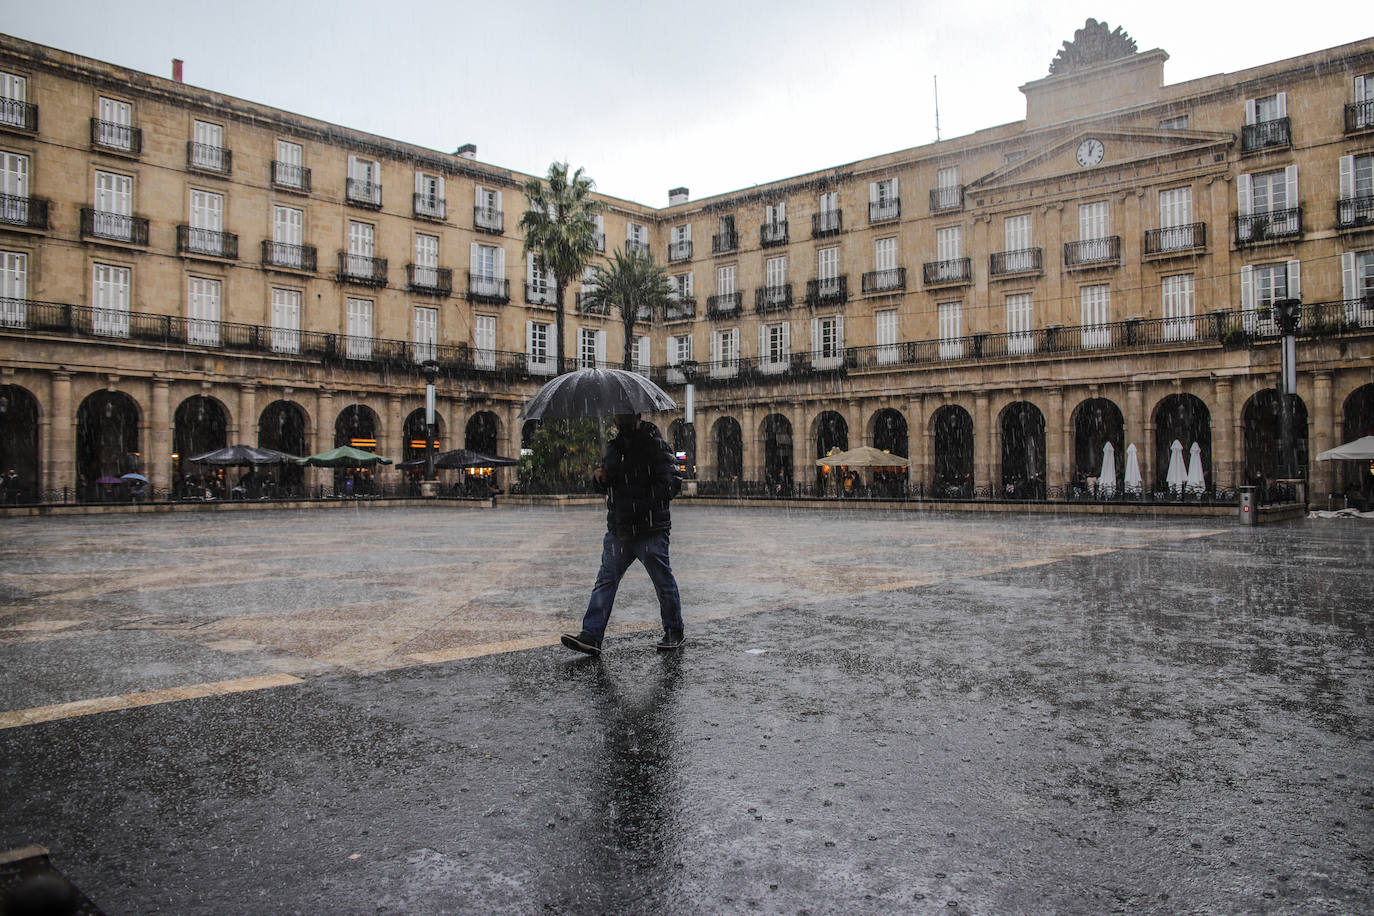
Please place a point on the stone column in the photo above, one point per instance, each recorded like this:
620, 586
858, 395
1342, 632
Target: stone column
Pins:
59, 450
751, 461
982, 441
1225, 444
248, 414
324, 437
1065, 433
1135, 432
854, 416
803, 448
918, 445
1324, 436
1056, 459
391, 439
160, 438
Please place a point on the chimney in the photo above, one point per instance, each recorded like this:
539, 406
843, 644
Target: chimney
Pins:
677, 196
467, 151
176, 69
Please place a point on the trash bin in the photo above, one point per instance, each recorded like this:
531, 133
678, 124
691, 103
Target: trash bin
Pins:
1248, 509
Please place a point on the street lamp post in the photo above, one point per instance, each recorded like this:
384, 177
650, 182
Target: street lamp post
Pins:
431, 369
1287, 313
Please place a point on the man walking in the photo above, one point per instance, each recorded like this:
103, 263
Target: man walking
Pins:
639, 477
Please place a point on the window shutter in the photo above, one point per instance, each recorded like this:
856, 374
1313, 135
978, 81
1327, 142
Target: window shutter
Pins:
895, 193
500, 263
529, 341
478, 198
1359, 88
815, 339
1244, 196
715, 346
419, 182
1250, 112
763, 343
529, 267
839, 332
1247, 288
873, 192
688, 236
473, 262
1282, 104
1348, 277
644, 353
1294, 279
498, 201
601, 349
1290, 177
1347, 177
787, 338
439, 183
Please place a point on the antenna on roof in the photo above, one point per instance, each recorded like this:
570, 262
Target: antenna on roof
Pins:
937, 109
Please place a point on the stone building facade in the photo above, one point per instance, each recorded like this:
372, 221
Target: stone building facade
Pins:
184, 269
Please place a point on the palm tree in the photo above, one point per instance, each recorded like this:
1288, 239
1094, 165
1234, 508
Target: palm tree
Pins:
637, 286
560, 229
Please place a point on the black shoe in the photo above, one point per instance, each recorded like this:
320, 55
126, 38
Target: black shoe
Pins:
582, 642
672, 640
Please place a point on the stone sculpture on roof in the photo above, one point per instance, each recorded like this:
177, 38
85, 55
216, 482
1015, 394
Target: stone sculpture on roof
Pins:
1093, 44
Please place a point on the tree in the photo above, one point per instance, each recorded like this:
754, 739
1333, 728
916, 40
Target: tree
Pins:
560, 230
634, 284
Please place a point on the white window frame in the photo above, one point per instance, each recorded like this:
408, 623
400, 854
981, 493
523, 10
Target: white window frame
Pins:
1263, 284
426, 269
484, 341
14, 184
724, 353
111, 290
358, 340
207, 149
203, 311
950, 322
425, 333
538, 347
286, 320
362, 240
367, 175
14, 289
290, 170
13, 97
1095, 314
775, 347
679, 350
1017, 242
1020, 322
114, 205
429, 195
1357, 287
288, 234
591, 348
885, 335
1178, 306
884, 201
116, 118
205, 233
643, 355
827, 341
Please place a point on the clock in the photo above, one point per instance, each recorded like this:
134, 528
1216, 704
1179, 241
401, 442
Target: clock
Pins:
1090, 152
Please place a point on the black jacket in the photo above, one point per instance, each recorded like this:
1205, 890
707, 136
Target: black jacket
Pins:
641, 479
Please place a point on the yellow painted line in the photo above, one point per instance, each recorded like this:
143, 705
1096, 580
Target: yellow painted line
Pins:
143, 698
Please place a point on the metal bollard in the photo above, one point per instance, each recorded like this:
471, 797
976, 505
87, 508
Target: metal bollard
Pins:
1248, 509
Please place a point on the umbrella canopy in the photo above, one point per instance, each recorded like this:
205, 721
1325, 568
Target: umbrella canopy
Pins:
345, 456
1106, 481
139, 477
460, 458
109, 480
596, 393
1359, 450
1132, 481
243, 456
1177, 475
863, 457
1195, 479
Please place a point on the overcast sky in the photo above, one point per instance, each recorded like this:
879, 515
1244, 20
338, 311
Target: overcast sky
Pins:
712, 95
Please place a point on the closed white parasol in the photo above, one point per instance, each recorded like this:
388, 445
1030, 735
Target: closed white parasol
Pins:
1195, 481
1177, 476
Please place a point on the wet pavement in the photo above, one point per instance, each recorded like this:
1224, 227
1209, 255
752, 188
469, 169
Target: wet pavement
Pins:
875, 712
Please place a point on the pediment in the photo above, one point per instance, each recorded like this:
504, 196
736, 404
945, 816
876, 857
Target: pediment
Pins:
1056, 157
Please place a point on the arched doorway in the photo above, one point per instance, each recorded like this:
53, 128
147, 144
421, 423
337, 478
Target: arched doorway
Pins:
527, 431
729, 449
890, 432
1185, 418
106, 441
777, 452
1023, 451
832, 434
199, 425
1096, 422
1357, 415
682, 437
357, 426
482, 432
19, 444
953, 452
413, 435
1263, 439
282, 426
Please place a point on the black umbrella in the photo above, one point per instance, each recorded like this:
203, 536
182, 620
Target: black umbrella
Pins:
243, 456
460, 458
596, 393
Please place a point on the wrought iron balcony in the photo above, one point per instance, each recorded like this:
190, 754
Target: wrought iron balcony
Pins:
1275, 225
948, 198
290, 177
427, 207
118, 138
206, 158
1020, 261
18, 115
1176, 238
680, 251
635, 246
1359, 116
773, 298
1103, 252
362, 269
491, 290
947, 273
541, 294
1266, 135
771, 234
291, 257
431, 281
725, 242
363, 193
880, 211
585, 305
24, 212
209, 242
826, 222
882, 281
116, 227
1355, 212
723, 305
680, 310
830, 291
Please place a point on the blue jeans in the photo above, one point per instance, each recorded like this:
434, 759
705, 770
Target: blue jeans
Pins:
616, 556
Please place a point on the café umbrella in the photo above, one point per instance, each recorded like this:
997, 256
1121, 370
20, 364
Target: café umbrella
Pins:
1132, 480
863, 457
1177, 476
345, 456
1195, 480
243, 456
458, 459
596, 393
1106, 481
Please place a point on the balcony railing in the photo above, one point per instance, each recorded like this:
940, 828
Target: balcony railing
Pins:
116, 227
1020, 261
826, 222
948, 272
428, 207
883, 210
362, 269
725, 242
680, 310
211, 242
723, 305
290, 177
882, 281
540, 294
771, 234
1266, 135
491, 290
680, 251
430, 281
947, 198
634, 246
119, 138
206, 158
1359, 116
773, 298
363, 193
585, 305
1093, 252
24, 212
291, 257
1355, 212
16, 115
829, 291
1176, 238
1274, 225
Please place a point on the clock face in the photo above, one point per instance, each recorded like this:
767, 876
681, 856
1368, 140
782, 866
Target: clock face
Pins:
1090, 152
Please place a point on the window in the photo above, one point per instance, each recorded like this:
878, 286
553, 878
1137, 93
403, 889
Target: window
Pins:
725, 280
364, 181
1176, 305
1095, 304
287, 233
426, 334
775, 291
1266, 123
537, 348
883, 202
205, 235
1263, 284
1177, 122
488, 270
680, 286
110, 300
950, 319
725, 353
360, 240
591, 348
599, 236
1019, 323
642, 355
1361, 113
288, 170
636, 238
1269, 108
886, 274
358, 342
774, 347
429, 195
679, 352
885, 335
1356, 205
949, 255
1176, 219
1016, 231
207, 147
828, 271
114, 124
828, 217
13, 96
286, 320
541, 287
1267, 204
484, 341
14, 289
114, 206
827, 342
680, 243
14, 189
726, 239
1094, 231
1357, 287
426, 273
486, 211
947, 194
202, 312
